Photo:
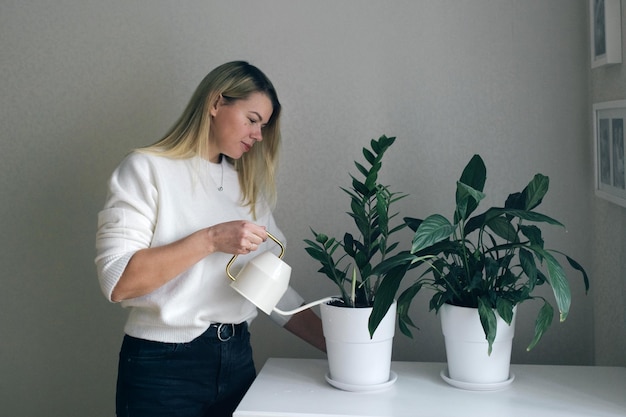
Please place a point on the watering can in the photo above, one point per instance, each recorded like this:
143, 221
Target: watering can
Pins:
264, 280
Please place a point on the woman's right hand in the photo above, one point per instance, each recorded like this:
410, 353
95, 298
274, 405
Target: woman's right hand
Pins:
237, 237
151, 268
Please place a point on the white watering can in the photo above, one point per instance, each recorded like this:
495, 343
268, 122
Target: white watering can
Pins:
264, 280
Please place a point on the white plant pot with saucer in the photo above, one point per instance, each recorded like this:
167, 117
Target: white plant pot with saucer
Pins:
357, 362
469, 364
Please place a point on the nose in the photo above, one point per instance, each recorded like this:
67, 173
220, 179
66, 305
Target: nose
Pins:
257, 133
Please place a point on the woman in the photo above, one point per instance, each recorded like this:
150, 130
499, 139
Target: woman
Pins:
175, 214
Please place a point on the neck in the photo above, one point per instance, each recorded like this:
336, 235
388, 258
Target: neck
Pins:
214, 158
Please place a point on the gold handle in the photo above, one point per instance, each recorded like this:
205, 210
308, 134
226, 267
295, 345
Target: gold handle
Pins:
271, 236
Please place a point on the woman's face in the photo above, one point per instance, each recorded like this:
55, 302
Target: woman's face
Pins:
236, 126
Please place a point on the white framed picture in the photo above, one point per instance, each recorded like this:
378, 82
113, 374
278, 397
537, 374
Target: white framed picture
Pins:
610, 168
606, 32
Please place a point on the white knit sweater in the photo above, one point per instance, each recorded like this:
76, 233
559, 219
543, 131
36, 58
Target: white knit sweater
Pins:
153, 201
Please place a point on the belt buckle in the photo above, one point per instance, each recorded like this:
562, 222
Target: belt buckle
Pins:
223, 327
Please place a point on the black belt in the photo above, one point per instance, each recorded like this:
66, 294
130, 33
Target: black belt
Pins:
225, 331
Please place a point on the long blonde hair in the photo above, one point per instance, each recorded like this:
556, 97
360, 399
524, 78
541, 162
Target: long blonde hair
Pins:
190, 134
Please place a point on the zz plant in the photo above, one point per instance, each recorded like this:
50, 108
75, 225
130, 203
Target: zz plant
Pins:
358, 264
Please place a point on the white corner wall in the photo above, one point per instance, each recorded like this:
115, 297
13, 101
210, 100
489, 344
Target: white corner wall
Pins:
83, 82
609, 240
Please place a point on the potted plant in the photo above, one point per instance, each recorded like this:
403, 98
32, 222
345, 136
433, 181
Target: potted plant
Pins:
357, 264
484, 266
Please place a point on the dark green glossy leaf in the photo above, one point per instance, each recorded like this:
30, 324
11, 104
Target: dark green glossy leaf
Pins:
361, 169
474, 176
535, 191
381, 211
527, 261
433, 229
412, 223
558, 281
375, 145
543, 322
488, 321
385, 296
467, 200
515, 201
531, 216
372, 178
369, 156
359, 187
322, 238
533, 233
505, 310
404, 304
503, 228
577, 267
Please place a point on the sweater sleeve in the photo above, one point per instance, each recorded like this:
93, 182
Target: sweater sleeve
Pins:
126, 223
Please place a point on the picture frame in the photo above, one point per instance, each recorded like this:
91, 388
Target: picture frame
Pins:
609, 151
606, 32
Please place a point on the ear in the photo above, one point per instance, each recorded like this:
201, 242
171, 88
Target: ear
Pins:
215, 106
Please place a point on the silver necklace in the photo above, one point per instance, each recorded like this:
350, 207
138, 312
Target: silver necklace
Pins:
221, 187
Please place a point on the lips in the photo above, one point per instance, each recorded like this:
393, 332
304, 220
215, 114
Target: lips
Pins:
246, 147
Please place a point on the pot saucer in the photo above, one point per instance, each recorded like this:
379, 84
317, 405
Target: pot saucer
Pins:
473, 386
362, 388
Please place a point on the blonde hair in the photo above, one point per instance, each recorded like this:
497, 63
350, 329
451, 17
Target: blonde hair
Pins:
190, 134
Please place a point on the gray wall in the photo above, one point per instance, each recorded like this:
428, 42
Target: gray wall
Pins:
83, 82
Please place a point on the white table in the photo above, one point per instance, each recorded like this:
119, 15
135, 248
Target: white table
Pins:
297, 388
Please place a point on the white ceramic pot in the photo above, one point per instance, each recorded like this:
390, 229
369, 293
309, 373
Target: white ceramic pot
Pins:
355, 359
467, 348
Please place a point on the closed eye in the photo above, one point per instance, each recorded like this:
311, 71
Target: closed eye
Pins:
253, 122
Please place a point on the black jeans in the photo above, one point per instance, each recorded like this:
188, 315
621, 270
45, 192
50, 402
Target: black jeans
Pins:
205, 377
